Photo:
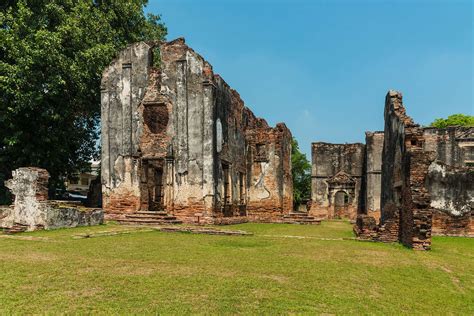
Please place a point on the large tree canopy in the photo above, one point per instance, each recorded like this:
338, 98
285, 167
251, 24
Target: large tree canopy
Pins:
301, 172
52, 54
454, 120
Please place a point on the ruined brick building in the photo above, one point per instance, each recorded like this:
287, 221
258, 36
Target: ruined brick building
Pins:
346, 178
337, 175
177, 139
404, 184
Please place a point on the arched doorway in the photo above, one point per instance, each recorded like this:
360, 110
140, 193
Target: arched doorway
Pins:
341, 203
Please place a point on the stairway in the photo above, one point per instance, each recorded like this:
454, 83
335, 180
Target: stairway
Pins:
300, 218
149, 218
15, 229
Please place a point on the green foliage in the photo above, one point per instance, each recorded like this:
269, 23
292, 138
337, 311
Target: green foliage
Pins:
52, 55
301, 171
454, 120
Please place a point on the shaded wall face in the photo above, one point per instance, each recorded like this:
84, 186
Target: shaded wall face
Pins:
374, 148
231, 150
392, 157
329, 160
405, 202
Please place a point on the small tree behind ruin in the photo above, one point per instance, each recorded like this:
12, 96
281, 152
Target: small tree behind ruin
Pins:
454, 120
301, 172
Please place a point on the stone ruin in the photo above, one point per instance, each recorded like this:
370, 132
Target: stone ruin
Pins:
405, 184
179, 144
32, 210
337, 178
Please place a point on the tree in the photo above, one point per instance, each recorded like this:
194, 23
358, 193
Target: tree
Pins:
454, 120
301, 171
52, 54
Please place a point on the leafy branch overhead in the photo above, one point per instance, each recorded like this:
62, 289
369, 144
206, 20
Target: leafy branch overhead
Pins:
52, 55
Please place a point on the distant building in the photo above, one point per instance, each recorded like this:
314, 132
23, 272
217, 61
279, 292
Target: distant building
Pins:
82, 181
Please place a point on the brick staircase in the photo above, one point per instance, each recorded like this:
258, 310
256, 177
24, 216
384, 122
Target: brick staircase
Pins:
15, 229
149, 218
300, 218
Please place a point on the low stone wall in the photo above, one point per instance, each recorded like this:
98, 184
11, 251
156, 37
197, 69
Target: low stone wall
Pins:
33, 211
64, 215
366, 228
445, 224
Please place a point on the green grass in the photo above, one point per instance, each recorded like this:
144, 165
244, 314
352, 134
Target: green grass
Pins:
271, 272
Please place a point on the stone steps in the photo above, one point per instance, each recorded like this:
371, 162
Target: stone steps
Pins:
15, 229
303, 222
159, 217
150, 222
298, 215
149, 218
150, 213
300, 218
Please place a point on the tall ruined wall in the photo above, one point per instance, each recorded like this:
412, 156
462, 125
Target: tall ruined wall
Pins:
122, 88
373, 167
187, 88
336, 168
175, 138
270, 192
405, 199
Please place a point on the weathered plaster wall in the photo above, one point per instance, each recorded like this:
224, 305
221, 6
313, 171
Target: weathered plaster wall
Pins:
270, 193
187, 88
30, 189
373, 165
336, 168
452, 198
454, 145
192, 141
122, 88
427, 181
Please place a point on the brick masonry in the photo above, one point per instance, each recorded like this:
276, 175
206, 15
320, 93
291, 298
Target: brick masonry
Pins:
177, 138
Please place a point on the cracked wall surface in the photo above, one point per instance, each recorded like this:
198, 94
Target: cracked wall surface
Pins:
269, 166
182, 140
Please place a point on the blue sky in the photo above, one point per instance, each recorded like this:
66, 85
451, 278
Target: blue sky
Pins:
324, 67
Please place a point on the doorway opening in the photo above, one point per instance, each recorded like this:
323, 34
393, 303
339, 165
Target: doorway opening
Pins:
155, 189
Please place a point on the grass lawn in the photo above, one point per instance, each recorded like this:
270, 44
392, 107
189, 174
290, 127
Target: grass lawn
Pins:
273, 271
